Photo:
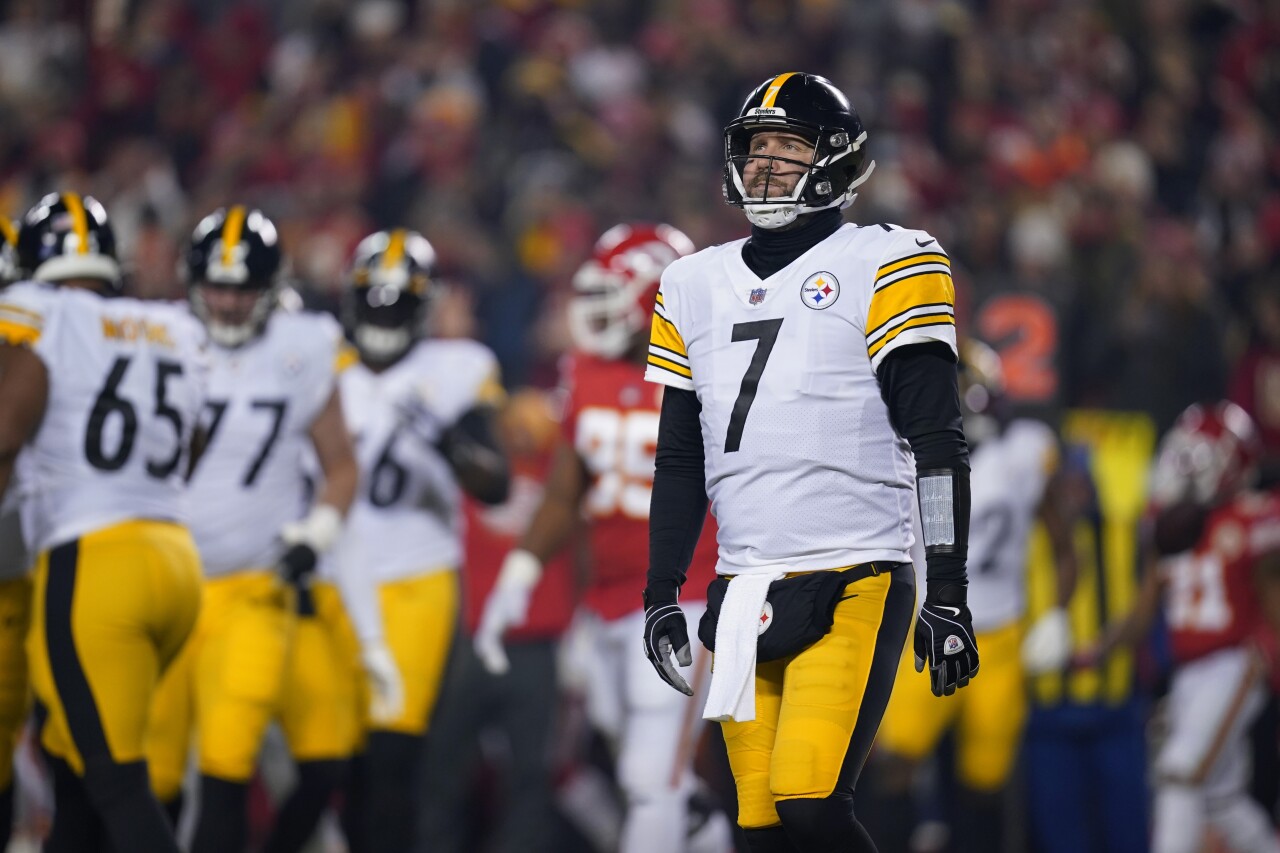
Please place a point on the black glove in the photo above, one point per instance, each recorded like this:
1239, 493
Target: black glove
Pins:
297, 566
944, 638
665, 631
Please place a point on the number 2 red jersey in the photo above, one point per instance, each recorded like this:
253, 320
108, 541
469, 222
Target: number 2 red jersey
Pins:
1211, 601
611, 419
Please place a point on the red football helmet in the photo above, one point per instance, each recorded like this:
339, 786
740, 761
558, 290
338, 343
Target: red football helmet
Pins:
1209, 455
614, 290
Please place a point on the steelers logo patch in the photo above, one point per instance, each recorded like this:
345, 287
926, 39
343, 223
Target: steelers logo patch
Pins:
820, 290
766, 618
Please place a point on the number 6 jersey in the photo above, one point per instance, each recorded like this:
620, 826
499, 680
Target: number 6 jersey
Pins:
803, 467
126, 380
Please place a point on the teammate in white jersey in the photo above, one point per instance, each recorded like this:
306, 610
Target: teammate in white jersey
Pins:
15, 596
101, 395
272, 400
421, 412
805, 366
1014, 482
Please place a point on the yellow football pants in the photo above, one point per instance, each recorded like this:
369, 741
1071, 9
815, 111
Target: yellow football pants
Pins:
817, 711
110, 611
419, 615
988, 715
15, 621
252, 660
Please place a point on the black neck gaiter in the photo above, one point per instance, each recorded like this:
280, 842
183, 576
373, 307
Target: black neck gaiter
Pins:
768, 251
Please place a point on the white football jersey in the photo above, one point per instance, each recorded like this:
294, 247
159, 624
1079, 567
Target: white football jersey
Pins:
803, 468
407, 515
1008, 475
126, 382
263, 398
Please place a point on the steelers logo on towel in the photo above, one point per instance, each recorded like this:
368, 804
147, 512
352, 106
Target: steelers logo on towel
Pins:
766, 618
820, 290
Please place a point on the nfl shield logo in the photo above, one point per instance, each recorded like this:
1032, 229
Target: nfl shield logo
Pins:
757, 296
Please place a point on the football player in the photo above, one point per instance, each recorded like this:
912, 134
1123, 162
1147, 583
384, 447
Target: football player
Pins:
1217, 579
101, 395
15, 597
603, 468
805, 367
272, 398
422, 415
1013, 483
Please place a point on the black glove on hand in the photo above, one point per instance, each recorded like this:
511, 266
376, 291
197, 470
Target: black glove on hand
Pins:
665, 631
944, 638
296, 567
298, 562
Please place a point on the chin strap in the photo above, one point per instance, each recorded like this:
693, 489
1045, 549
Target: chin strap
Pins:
773, 216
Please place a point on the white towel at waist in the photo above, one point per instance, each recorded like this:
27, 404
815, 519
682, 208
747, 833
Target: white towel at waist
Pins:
732, 695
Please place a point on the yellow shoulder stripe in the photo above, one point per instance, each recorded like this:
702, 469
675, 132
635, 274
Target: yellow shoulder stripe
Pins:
345, 357
664, 334
932, 288
667, 364
914, 322
911, 261
18, 334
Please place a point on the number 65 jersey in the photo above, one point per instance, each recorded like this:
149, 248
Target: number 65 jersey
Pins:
126, 381
262, 400
803, 468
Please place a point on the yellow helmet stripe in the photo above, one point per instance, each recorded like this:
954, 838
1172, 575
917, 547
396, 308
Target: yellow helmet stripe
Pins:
79, 220
232, 228
395, 249
771, 94
8, 232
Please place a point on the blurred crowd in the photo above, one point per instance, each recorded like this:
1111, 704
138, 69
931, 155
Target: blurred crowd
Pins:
1104, 174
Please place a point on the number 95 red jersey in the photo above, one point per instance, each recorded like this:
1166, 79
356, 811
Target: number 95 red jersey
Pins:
611, 419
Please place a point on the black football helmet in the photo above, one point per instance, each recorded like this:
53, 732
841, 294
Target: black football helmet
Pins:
8, 251
234, 248
66, 236
389, 289
983, 401
811, 107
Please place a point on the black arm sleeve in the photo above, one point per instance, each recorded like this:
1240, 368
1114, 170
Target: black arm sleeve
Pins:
920, 387
472, 450
679, 503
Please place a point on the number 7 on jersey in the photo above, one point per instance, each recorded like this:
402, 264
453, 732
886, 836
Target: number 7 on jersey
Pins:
765, 334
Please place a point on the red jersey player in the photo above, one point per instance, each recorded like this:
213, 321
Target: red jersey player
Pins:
1217, 547
603, 470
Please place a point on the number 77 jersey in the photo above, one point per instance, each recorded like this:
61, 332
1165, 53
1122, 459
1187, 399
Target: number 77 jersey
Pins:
263, 398
126, 379
803, 467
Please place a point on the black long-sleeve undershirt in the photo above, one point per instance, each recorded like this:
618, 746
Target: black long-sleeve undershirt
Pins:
918, 384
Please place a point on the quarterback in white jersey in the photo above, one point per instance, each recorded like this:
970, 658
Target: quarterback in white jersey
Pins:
1014, 463
101, 395
272, 400
421, 413
805, 367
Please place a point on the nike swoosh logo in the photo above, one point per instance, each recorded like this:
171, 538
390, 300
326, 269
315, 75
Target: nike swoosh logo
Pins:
925, 243
955, 611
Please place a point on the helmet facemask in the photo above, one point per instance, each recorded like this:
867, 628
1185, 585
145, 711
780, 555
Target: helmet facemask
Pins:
605, 313
385, 315
231, 333
828, 179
